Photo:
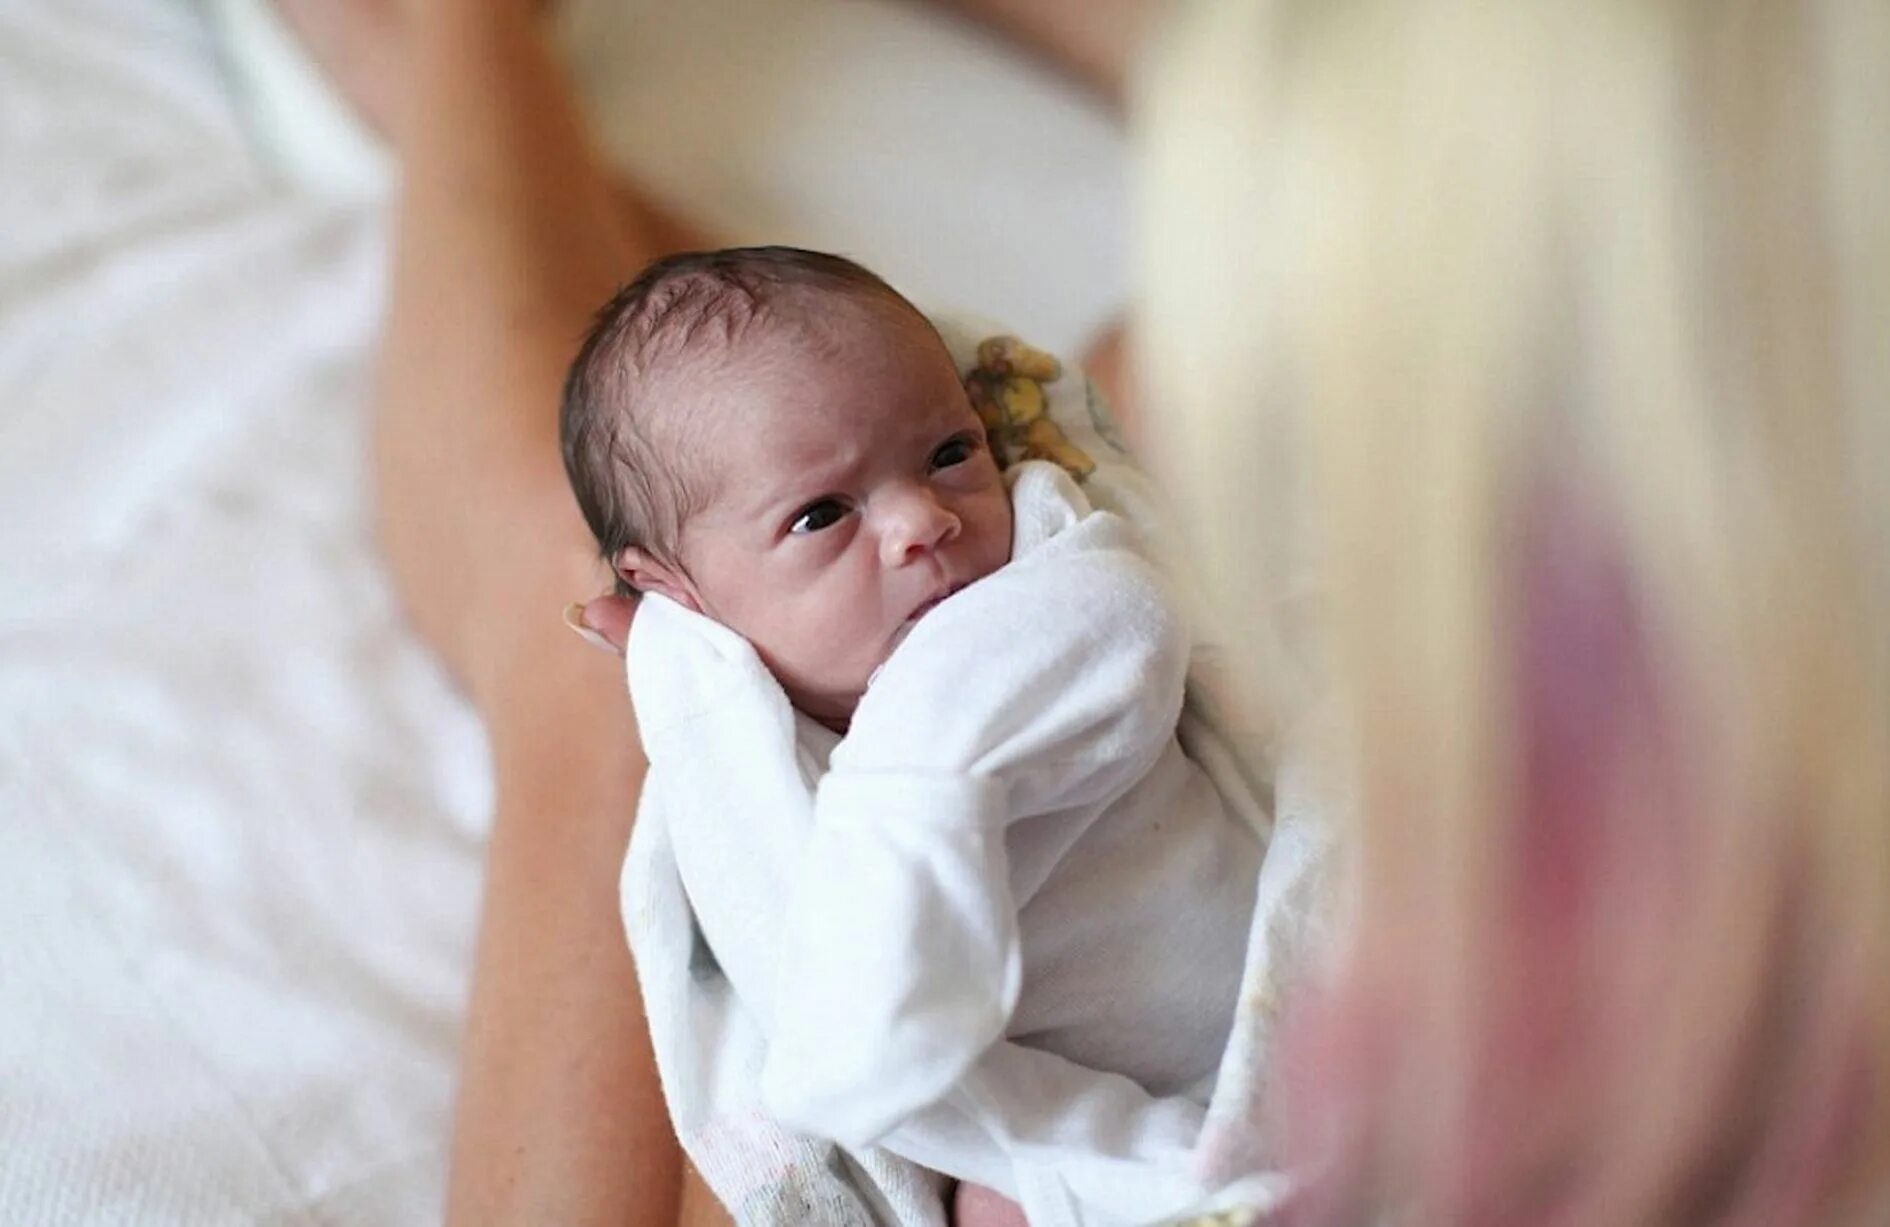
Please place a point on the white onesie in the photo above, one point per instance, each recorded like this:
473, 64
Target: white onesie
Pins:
999, 928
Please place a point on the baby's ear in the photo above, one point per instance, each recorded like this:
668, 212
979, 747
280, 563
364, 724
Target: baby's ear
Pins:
646, 572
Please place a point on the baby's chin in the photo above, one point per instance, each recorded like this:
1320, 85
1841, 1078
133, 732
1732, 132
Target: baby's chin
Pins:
831, 700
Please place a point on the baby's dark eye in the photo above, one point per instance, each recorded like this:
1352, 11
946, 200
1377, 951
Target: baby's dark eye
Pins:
953, 452
816, 516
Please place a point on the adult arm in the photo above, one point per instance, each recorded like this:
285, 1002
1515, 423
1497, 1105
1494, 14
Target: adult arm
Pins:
507, 236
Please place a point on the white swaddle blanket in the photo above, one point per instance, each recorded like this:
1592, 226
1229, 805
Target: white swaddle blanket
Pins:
858, 975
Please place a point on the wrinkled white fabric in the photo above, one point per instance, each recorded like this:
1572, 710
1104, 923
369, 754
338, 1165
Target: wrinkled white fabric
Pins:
1001, 932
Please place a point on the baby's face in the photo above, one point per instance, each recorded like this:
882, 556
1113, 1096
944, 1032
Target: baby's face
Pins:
853, 491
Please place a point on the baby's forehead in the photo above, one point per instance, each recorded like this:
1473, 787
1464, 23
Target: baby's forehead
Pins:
776, 371
806, 399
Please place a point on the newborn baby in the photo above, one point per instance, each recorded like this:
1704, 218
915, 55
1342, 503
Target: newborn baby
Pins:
911, 726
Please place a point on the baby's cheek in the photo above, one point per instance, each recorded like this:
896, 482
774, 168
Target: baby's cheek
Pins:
1000, 532
984, 539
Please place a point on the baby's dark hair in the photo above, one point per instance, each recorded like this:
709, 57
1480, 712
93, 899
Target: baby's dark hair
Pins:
630, 493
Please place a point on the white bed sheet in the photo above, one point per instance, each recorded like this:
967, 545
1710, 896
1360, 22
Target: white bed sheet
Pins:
241, 810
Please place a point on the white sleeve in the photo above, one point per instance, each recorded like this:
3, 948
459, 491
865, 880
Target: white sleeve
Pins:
1053, 684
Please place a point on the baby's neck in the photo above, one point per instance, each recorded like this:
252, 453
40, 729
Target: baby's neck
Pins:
829, 711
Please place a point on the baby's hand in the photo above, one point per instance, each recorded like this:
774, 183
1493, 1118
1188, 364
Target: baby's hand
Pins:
603, 622
976, 1206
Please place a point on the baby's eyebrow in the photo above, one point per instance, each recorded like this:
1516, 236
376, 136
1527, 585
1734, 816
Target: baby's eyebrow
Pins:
778, 501
831, 471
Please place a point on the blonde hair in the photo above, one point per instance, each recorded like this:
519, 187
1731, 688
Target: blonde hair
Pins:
1549, 344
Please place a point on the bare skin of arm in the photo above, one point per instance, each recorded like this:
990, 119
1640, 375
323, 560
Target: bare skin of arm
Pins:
508, 236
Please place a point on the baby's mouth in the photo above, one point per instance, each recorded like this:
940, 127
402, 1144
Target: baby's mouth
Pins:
905, 628
932, 604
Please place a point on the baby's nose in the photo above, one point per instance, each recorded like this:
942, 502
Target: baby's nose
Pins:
916, 524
